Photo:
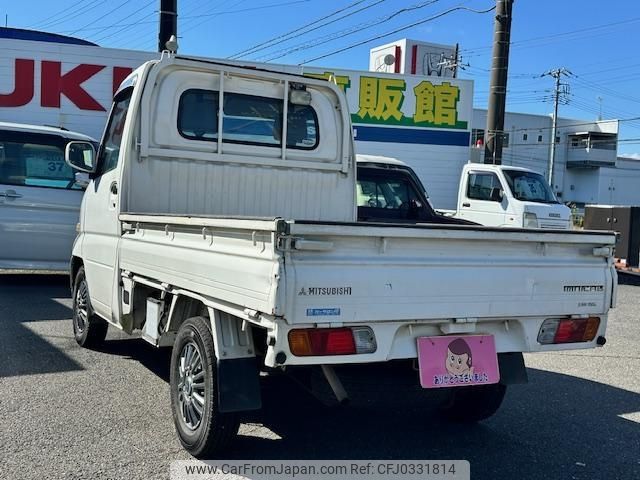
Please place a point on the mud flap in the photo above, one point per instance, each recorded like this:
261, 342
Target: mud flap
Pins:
238, 385
512, 368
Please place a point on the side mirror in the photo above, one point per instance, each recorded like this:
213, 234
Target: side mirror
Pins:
81, 156
496, 194
82, 180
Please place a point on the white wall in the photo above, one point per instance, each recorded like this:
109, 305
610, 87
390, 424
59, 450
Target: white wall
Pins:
599, 185
619, 186
582, 185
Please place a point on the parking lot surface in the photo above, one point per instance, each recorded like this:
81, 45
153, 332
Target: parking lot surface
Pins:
67, 412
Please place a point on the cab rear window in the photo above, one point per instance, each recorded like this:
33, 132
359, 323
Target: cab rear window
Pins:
247, 119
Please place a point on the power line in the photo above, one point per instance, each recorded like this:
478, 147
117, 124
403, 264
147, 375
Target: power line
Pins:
61, 12
588, 30
182, 17
146, 5
103, 16
601, 88
87, 8
284, 37
397, 30
214, 9
342, 33
242, 10
577, 124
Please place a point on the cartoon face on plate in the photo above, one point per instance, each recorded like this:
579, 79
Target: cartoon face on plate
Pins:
459, 360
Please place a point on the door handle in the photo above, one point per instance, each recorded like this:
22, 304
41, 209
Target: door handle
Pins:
466, 204
10, 194
114, 188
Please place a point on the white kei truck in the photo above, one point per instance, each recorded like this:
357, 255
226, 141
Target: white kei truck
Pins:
505, 196
221, 220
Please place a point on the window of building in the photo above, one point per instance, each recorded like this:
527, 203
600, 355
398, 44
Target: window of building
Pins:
247, 119
577, 142
604, 144
477, 134
557, 139
539, 138
505, 140
525, 137
481, 186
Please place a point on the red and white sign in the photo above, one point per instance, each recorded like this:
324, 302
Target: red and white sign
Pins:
62, 85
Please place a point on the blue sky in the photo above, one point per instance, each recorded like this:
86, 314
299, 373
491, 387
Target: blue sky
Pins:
597, 41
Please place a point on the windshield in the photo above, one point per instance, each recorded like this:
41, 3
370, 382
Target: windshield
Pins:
529, 186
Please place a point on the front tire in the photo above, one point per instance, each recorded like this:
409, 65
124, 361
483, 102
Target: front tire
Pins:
473, 404
89, 330
202, 429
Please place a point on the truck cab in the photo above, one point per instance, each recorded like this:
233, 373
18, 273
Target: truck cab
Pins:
504, 196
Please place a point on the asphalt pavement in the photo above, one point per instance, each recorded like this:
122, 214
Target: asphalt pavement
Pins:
67, 412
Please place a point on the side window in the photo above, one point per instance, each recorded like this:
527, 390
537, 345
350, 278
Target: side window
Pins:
198, 115
481, 185
391, 194
110, 147
302, 127
247, 119
35, 161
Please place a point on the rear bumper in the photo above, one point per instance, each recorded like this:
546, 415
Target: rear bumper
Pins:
398, 340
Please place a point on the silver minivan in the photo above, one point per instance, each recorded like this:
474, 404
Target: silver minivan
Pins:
39, 197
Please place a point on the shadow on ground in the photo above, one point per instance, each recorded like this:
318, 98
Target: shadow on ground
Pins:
23, 351
557, 426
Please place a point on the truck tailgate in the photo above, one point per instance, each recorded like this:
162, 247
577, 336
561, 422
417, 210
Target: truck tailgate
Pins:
364, 273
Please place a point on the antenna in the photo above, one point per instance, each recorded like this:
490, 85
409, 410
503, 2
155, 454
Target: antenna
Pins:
172, 44
600, 107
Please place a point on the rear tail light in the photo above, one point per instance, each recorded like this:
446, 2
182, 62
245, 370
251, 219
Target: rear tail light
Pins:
331, 341
568, 330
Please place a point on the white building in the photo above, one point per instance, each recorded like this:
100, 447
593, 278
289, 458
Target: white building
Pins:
586, 168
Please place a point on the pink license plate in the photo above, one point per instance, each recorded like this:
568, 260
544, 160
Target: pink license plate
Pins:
457, 361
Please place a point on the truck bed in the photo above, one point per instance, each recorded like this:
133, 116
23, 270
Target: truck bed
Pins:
374, 272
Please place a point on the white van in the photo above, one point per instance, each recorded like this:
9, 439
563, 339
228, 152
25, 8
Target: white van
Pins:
504, 196
39, 197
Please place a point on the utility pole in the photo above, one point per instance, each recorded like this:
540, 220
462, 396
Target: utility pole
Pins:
498, 88
557, 75
168, 22
600, 109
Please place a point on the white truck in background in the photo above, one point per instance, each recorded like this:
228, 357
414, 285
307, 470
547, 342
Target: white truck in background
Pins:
504, 196
221, 220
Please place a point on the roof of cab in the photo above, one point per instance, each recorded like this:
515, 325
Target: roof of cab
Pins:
23, 127
379, 159
490, 166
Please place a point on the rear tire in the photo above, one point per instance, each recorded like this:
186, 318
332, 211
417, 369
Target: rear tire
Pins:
472, 404
89, 330
202, 429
